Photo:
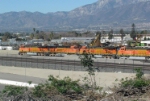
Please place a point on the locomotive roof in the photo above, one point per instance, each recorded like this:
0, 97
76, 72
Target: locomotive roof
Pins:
146, 48
54, 46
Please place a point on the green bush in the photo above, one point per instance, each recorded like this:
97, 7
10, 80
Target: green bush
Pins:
13, 90
139, 73
38, 91
136, 82
55, 86
44, 90
65, 85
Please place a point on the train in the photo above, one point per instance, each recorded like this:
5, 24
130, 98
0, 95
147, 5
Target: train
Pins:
107, 52
135, 49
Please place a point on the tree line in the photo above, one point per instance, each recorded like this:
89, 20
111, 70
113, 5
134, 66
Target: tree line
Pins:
48, 36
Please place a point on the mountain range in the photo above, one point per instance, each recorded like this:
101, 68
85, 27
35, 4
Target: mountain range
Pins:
101, 15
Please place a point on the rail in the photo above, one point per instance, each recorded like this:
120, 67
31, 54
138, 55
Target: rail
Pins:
74, 65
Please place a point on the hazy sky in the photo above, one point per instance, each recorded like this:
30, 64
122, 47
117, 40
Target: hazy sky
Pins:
43, 6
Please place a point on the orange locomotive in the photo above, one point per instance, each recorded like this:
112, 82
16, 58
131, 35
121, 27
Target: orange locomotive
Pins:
48, 50
104, 51
38, 50
52, 50
137, 52
111, 52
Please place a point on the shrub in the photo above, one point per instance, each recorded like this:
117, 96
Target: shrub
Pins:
38, 91
136, 82
65, 85
10, 90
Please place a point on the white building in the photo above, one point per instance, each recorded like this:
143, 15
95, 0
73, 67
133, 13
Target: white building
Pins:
147, 42
56, 41
77, 39
72, 39
147, 36
116, 38
104, 38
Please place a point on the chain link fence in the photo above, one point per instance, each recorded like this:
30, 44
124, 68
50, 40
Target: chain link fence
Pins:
102, 65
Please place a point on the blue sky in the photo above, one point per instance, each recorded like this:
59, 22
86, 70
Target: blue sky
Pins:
43, 6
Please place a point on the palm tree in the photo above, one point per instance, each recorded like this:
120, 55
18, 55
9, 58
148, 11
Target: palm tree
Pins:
110, 35
103, 33
76, 33
133, 33
34, 30
60, 36
51, 35
122, 34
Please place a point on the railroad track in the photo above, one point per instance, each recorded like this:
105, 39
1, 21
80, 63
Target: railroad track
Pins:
74, 62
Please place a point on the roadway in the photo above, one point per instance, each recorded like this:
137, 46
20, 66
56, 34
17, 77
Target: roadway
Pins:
18, 78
